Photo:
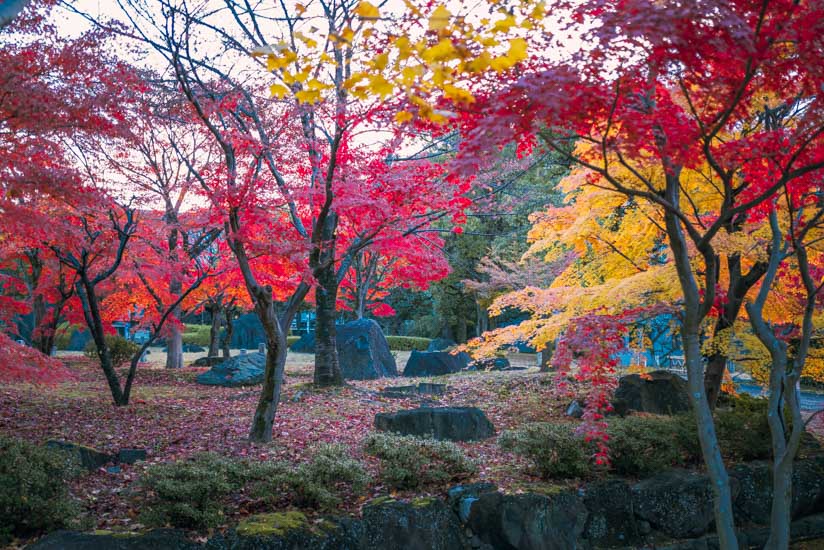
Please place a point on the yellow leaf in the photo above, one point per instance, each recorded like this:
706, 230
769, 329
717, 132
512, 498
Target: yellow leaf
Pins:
379, 85
442, 51
300, 9
308, 96
457, 94
503, 25
517, 50
367, 11
480, 63
404, 47
278, 91
409, 74
308, 40
439, 18
403, 116
380, 61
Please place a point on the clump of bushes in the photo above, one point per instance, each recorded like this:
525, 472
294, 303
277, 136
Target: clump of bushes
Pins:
34, 495
319, 483
642, 445
555, 449
291, 340
407, 343
120, 349
192, 493
408, 462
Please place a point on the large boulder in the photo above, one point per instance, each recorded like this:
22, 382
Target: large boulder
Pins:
435, 363
290, 530
527, 521
423, 524
611, 520
659, 392
306, 344
247, 332
676, 502
452, 423
754, 495
241, 370
363, 351
440, 344
79, 339
493, 364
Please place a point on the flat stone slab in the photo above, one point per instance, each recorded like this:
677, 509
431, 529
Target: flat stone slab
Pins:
89, 458
450, 423
404, 392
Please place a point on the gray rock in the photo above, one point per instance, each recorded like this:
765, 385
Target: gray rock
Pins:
611, 520
422, 524
440, 344
452, 423
405, 392
243, 370
574, 410
208, 361
677, 502
528, 521
306, 344
363, 351
130, 456
247, 332
89, 458
158, 539
659, 392
492, 364
435, 363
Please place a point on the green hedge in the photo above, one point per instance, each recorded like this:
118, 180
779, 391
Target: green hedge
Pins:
292, 339
196, 335
34, 494
407, 343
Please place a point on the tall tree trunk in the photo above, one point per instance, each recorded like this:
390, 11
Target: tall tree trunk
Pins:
461, 332
174, 340
263, 420
214, 331
327, 368
737, 290
694, 311
230, 327
91, 312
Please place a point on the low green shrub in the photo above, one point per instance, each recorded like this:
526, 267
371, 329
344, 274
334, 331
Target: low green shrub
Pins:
291, 340
640, 446
555, 449
319, 483
742, 428
120, 349
408, 462
34, 495
190, 493
407, 343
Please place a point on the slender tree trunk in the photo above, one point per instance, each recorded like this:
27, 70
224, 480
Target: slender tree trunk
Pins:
230, 327
214, 331
91, 311
327, 368
461, 333
263, 420
174, 341
694, 310
737, 290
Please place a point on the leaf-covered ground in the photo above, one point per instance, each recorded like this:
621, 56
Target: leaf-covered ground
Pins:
173, 417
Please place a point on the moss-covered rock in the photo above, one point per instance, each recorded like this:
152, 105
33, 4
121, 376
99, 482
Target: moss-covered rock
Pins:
277, 523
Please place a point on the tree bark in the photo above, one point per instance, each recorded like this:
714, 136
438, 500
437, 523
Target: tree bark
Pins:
263, 420
214, 331
737, 290
694, 311
227, 340
174, 341
327, 367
